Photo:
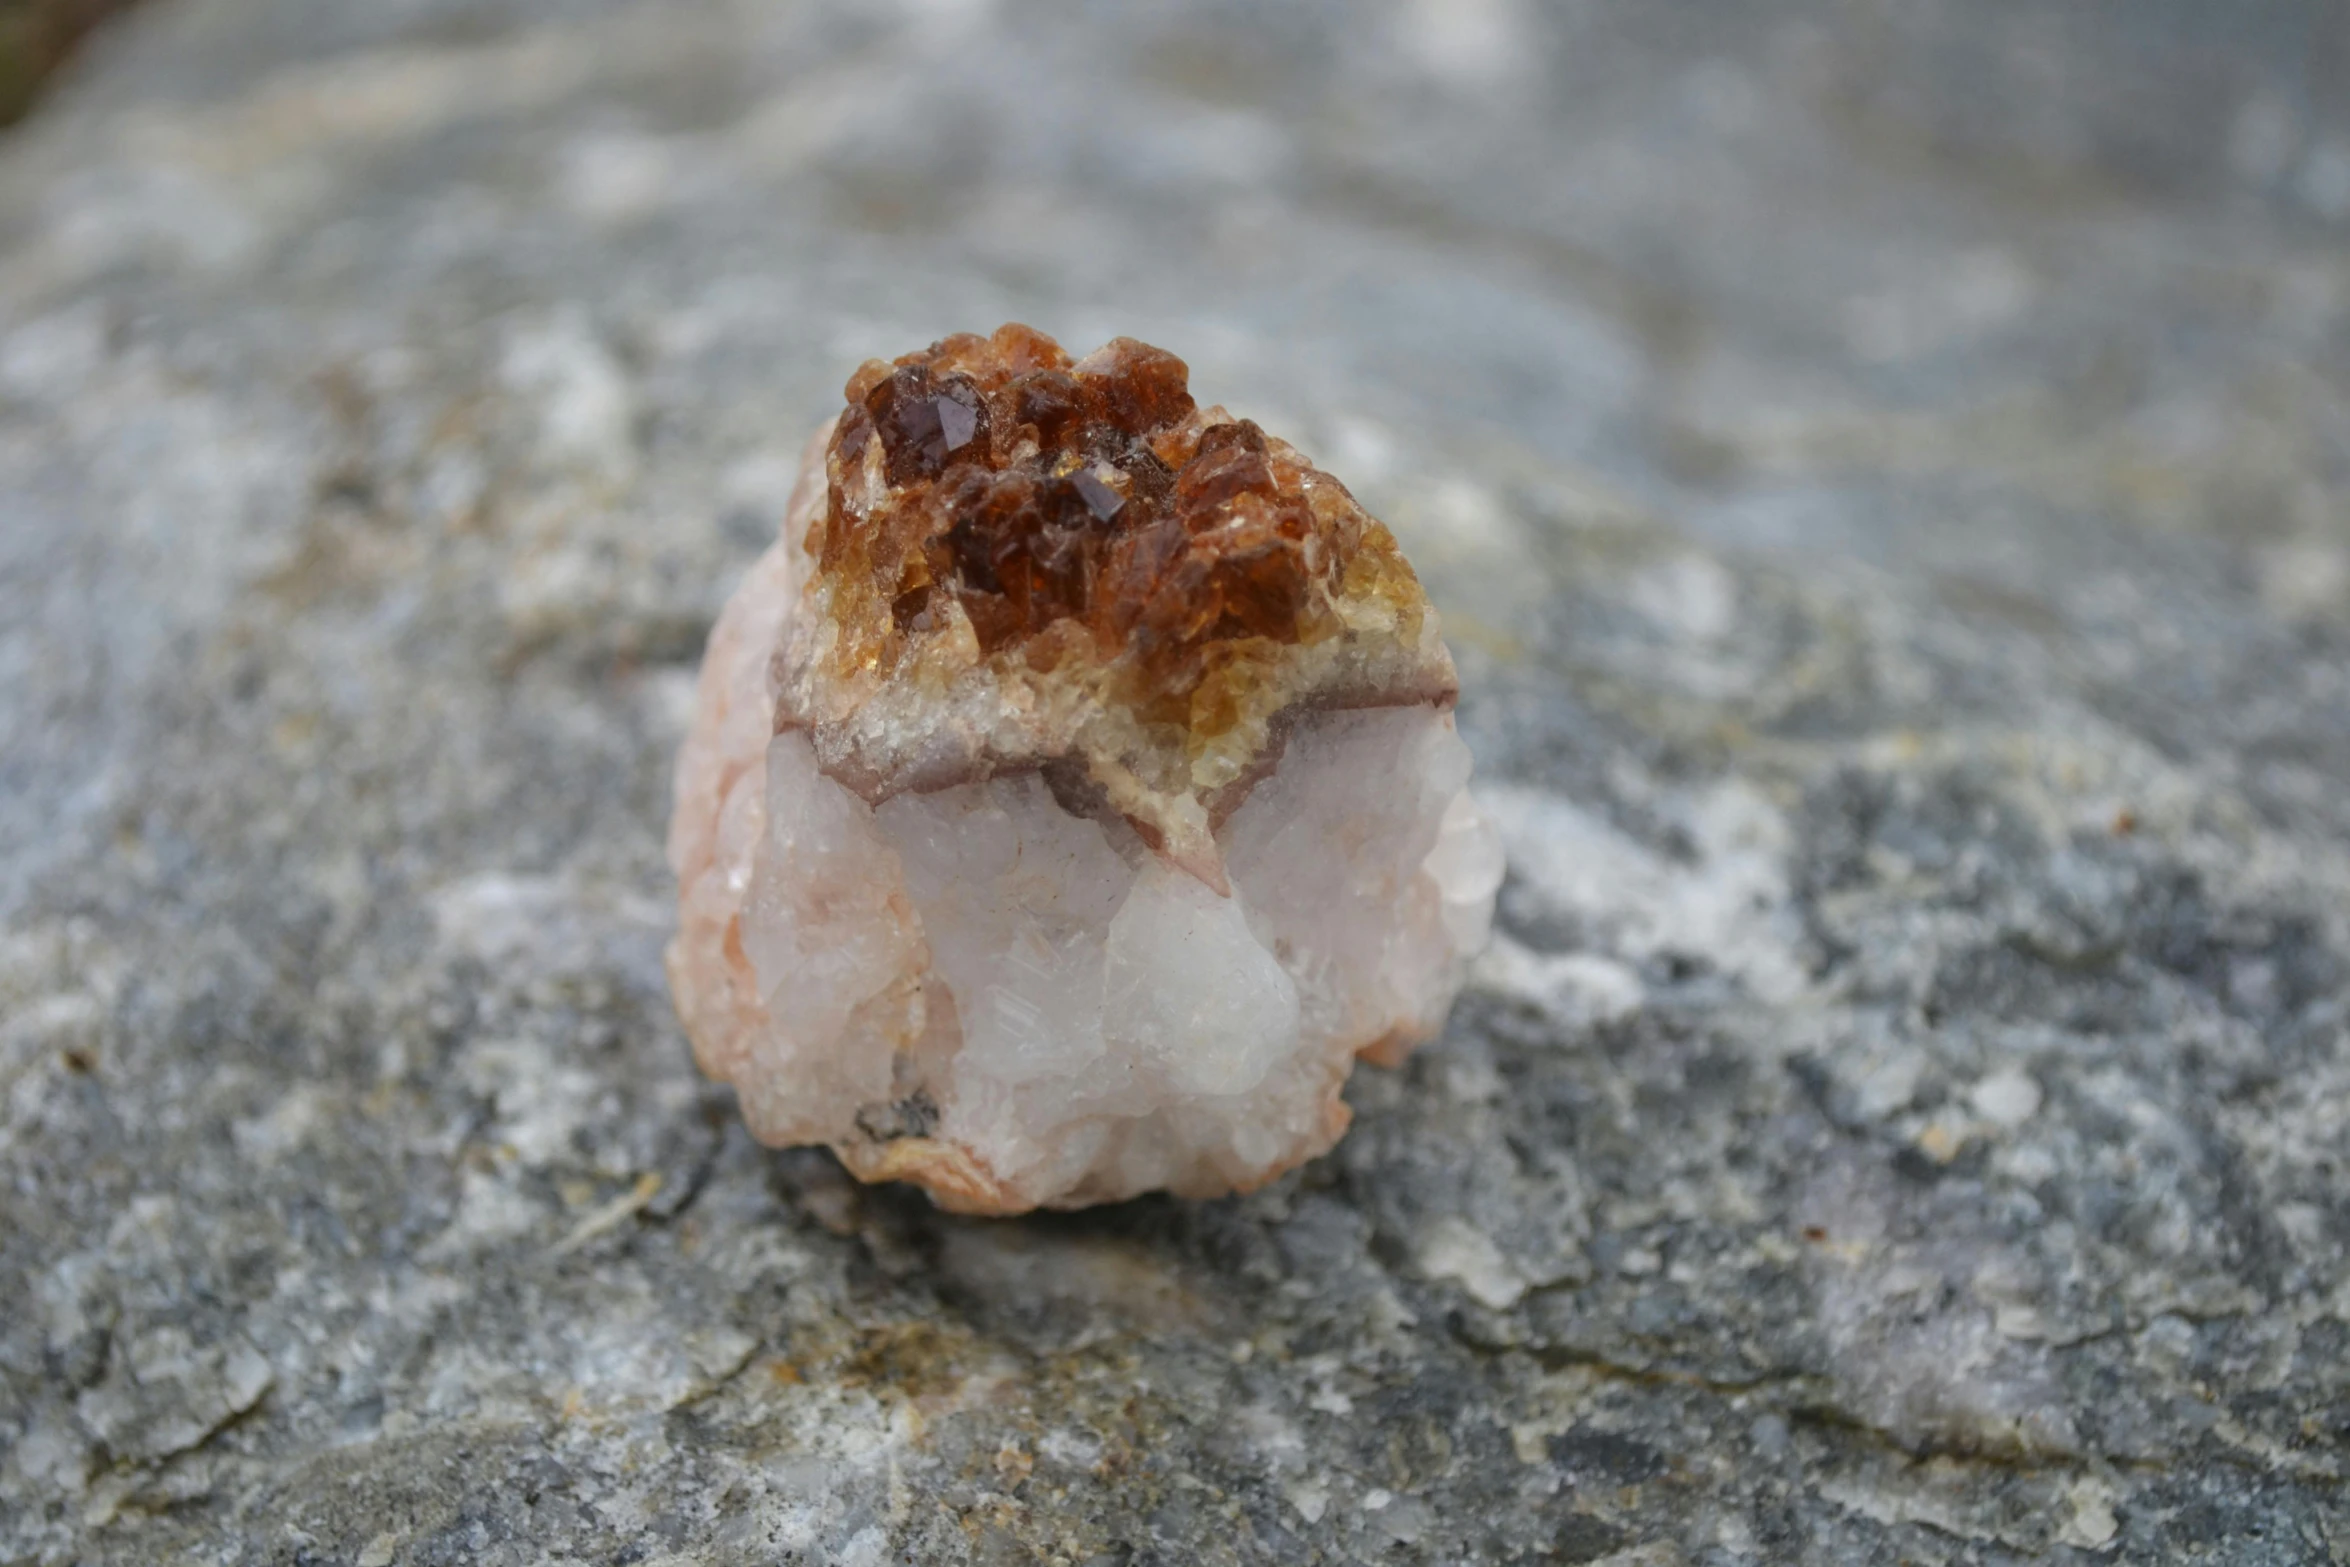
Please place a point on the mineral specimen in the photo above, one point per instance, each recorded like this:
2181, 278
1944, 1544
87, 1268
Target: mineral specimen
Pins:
1072, 793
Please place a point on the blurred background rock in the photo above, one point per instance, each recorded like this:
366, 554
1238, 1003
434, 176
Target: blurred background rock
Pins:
1885, 466
37, 37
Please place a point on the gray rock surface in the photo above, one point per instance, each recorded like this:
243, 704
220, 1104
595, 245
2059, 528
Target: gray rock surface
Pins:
1887, 470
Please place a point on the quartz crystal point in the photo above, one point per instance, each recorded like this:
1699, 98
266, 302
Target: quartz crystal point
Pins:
1072, 792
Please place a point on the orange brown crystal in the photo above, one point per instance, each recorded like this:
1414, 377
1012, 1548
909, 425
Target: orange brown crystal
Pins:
1079, 509
1070, 795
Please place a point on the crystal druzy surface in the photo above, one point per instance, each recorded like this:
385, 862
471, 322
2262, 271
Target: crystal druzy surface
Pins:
1072, 793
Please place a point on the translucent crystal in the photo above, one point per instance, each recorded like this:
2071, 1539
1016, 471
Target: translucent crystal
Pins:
1073, 792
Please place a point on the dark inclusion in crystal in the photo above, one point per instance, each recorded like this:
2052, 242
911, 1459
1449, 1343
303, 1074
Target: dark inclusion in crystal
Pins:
925, 421
1035, 491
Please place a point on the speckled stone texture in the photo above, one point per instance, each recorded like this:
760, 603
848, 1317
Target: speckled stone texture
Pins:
1882, 468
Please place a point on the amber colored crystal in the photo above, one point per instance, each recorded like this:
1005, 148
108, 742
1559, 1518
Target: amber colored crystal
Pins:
1028, 490
1071, 794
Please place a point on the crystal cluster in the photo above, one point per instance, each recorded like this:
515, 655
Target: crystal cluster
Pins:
1072, 793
